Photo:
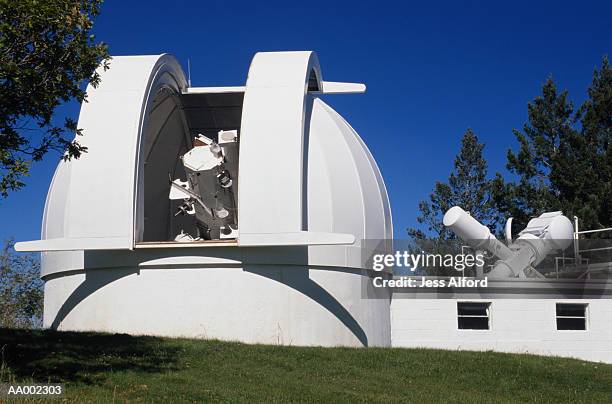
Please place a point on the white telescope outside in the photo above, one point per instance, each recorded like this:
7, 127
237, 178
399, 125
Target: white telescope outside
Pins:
549, 232
475, 234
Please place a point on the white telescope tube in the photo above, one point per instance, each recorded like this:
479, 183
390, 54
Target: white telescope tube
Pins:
475, 234
549, 232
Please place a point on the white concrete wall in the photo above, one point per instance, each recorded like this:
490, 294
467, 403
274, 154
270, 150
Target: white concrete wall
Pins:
269, 304
516, 325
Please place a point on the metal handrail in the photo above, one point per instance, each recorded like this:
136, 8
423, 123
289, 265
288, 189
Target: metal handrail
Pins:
577, 250
593, 231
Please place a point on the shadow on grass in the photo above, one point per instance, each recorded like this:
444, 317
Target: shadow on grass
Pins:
51, 356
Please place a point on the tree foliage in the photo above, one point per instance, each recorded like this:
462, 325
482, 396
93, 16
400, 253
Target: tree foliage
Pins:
21, 289
47, 51
564, 160
468, 186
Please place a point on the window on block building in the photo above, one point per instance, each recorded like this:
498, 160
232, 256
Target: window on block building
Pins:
572, 316
473, 315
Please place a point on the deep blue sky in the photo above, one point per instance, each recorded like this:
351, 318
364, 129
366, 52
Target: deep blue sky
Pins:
432, 71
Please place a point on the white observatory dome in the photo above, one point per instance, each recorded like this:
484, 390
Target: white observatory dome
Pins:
120, 255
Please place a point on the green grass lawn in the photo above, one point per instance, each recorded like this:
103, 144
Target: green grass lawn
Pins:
105, 367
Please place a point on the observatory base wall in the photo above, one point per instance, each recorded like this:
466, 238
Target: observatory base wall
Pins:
268, 304
516, 326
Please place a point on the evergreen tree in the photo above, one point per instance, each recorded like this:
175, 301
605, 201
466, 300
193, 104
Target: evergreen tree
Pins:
594, 183
467, 187
564, 157
542, 143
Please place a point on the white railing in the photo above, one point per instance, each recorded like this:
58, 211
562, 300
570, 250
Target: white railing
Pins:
577, 234
578, 260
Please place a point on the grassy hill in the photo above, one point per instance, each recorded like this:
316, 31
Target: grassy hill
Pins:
104, 367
